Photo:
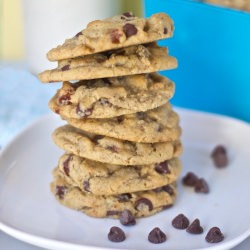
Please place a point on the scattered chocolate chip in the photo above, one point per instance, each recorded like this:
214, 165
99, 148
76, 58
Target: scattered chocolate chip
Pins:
65, 99
180, 222
65, 67
195, 227
124, 197
201, 186
140, 115
189, 179
66, 165
57, 111
219, 156
156, 236
165, 30
86, 186
115, 36
116, 234
146, 28
214, 235
78, 34
112, 213
60, 191
162, 167
129, 29
112, 148
142, 202
83, 113
127, 218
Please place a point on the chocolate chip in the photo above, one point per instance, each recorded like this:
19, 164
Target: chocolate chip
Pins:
86, 186
165, 188
116, 234
140, 115
83, 113
78, 34
219, 156
129, 29
165, 30
142, 202
112, 148
65, 99
162, 168
189, 179
201, 186
127, 218
168, 189
214, 235
65, 67
195, 227
127, 14
66, 165
60, 191
105, 102
156, 236
180, 222
124, 197
115, 36
120, 118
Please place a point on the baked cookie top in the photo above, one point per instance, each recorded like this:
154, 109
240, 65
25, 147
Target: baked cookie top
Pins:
107, 179
156, 125
111, 97
113, 151
112, 33
140, 204
131, 60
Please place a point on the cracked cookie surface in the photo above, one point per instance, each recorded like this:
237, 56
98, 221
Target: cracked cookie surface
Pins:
111, 150
112, 33
131, 60
106, 179
111, 97
140, 204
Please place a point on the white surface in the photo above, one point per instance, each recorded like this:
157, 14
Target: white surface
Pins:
29, 212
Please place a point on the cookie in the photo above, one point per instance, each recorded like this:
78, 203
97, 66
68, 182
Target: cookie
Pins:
111, 97
131, 60
112, 33
114, 151
140, 204
156, 125
234, 4
106, 179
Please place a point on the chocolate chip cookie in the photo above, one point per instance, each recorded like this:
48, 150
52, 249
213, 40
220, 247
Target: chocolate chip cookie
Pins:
131, 60
156, 125
140, 204
112, 33
110, 97
107, 179
114, 151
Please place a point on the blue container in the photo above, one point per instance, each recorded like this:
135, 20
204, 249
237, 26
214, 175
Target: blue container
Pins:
212, 45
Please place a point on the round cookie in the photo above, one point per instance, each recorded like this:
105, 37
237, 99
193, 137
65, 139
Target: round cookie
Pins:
140, 204
113, 151
112, 33
156, 125
106, 179
132, 60
111, 97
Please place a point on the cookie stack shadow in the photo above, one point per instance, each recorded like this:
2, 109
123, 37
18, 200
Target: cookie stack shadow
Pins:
122, 137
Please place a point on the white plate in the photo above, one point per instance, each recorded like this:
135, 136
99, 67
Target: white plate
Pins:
29, 212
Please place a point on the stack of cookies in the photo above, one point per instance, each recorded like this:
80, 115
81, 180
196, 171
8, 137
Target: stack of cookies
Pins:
122, 137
